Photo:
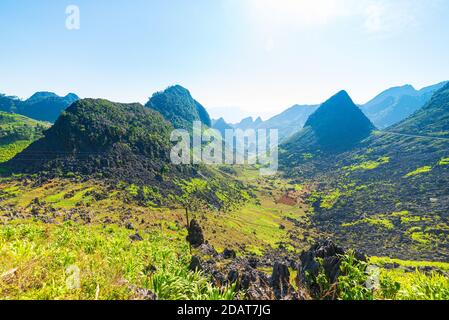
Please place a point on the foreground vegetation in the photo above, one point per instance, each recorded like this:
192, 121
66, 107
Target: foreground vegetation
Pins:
42, 261
96, 262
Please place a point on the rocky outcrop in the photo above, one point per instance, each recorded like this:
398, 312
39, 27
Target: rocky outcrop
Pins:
226, 269
229, 254
195, 237
280, 282
322, 257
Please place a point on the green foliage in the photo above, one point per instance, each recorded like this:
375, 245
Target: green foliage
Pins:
108, 261
413, 219
380, 261
368, 165
419, 171
330, 199
322, 280
444, 162
373, 221
8, 151
389, 287
307, 156
400, 214
352, 282
400, 285
421, 237
200, 195
16, 133
179, 108
44, 106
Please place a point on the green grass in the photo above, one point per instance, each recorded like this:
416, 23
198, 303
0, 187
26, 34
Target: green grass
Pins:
330, 199
377, 222
380, 261
444, 162
419, 171
368, 165
421, 237
16, 133
400, 214
397, 284
64, 199
43, 259
9, 150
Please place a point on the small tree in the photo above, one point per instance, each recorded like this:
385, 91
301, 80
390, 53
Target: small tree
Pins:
193, 198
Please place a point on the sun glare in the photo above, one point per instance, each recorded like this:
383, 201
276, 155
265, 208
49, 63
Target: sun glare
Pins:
299, 11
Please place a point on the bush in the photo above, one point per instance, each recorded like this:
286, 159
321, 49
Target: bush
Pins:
352, 284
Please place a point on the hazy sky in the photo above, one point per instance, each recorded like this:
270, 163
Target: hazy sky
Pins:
237, 57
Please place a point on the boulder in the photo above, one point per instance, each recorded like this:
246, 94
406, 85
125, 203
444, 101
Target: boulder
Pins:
136, 237
280, 281
129, 226
195, 237
195, 264
324, 257
229, 254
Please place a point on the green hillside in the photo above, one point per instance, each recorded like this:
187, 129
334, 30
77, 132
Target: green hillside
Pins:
336, 126
18, 132
390, 194
98, 192
179, 108
396, 104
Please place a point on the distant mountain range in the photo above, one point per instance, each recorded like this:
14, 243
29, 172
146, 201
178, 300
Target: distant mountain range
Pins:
396, 104
287, 123
248, 123
43, 106
386, 109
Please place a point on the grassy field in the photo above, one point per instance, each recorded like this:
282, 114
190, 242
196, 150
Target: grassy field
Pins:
63, 230
74, 261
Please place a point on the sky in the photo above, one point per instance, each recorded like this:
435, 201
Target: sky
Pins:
237, 57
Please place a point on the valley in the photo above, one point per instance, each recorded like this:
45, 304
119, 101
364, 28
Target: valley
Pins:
92, 208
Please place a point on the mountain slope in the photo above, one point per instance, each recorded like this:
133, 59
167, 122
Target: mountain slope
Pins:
9, 104
287, 122
47, 106
179, 108
221, 126
43, 106
118, 143
391, 193
290, 121
337, 125
396, 104
248, 123
17, 132
98, 136
431, 120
